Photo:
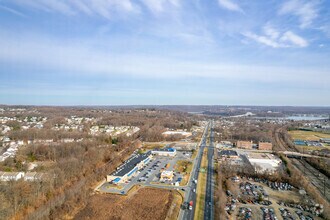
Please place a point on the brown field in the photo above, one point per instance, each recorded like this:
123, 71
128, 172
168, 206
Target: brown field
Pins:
153, 145
145, 203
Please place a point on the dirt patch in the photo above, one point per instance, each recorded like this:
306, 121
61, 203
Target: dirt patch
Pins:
146, 203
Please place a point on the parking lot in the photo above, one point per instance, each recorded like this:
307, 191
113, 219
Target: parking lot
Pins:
149, 175
262, 199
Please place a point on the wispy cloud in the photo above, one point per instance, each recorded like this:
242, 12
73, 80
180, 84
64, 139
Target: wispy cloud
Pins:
15, 12
306, 11
291, 37
262, 39
277, 39
160, 5
230, 5
47, 6
78, 58
271, 32
103, 8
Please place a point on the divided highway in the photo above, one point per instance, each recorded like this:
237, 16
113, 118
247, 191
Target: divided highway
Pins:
209, 203
189, 194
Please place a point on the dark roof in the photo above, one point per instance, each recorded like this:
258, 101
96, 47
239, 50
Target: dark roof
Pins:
228, 153
130, 164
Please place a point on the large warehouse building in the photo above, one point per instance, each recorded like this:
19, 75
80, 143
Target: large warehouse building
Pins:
126, 170
264, 162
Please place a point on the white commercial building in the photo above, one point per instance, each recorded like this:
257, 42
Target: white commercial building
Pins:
164, 152
264, 162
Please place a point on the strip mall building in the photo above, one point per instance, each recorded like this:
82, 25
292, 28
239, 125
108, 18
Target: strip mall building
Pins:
130, 167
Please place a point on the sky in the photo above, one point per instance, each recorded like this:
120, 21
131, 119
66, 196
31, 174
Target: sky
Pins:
165, 52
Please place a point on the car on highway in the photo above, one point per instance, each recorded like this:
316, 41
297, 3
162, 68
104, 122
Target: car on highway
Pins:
191, 203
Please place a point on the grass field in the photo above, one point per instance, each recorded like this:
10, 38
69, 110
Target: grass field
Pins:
184, 167
201, 188
152, 145
307, 149
194, 154
307, 135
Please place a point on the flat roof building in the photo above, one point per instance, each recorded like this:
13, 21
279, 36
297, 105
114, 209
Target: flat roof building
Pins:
264, 162
183, 133
265, 146
127, 169
166, 175
164, 152
228, 154
325, 140
244, 144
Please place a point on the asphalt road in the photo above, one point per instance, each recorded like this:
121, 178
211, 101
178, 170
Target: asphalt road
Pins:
189, 194
209, 204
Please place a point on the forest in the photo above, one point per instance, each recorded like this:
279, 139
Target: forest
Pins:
74, 168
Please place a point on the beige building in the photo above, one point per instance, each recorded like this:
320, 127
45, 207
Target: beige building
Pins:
265, 146
166, 175
244, 144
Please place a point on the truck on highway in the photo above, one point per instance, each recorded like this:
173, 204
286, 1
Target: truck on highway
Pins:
195, 181
185, 205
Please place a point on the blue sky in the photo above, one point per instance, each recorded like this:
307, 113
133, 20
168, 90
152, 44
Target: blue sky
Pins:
127, 52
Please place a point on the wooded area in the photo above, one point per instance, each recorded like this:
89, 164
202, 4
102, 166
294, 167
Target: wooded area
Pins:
75, 167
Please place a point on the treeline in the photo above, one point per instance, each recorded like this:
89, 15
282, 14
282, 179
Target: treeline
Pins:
296, 178
321, 164
73, 163
248, 130
45, 134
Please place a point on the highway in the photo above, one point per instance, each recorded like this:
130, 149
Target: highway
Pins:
209, 203
189, 194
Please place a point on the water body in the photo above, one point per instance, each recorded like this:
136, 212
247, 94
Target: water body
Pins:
297, 118
306, 117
